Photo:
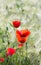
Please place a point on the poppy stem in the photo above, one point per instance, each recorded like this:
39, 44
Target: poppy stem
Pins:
26, 49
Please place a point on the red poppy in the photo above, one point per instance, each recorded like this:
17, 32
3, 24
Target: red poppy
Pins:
10, 51
16, 23
20, 45
20, 39
1, 59
22, 35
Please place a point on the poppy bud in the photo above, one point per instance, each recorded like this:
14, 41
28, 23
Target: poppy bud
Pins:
20, 45
16, 23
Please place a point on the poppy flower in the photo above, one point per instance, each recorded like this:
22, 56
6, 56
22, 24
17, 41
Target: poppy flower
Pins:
20, 45
1, 59
10, 51
22, 35
16, 23
20, 39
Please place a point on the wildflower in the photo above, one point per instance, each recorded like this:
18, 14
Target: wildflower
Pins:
16, 23
10, 51
22, 35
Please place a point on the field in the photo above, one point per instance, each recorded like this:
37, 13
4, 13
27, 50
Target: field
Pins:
20, 32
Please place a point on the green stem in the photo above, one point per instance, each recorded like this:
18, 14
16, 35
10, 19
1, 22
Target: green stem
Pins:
26, 50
